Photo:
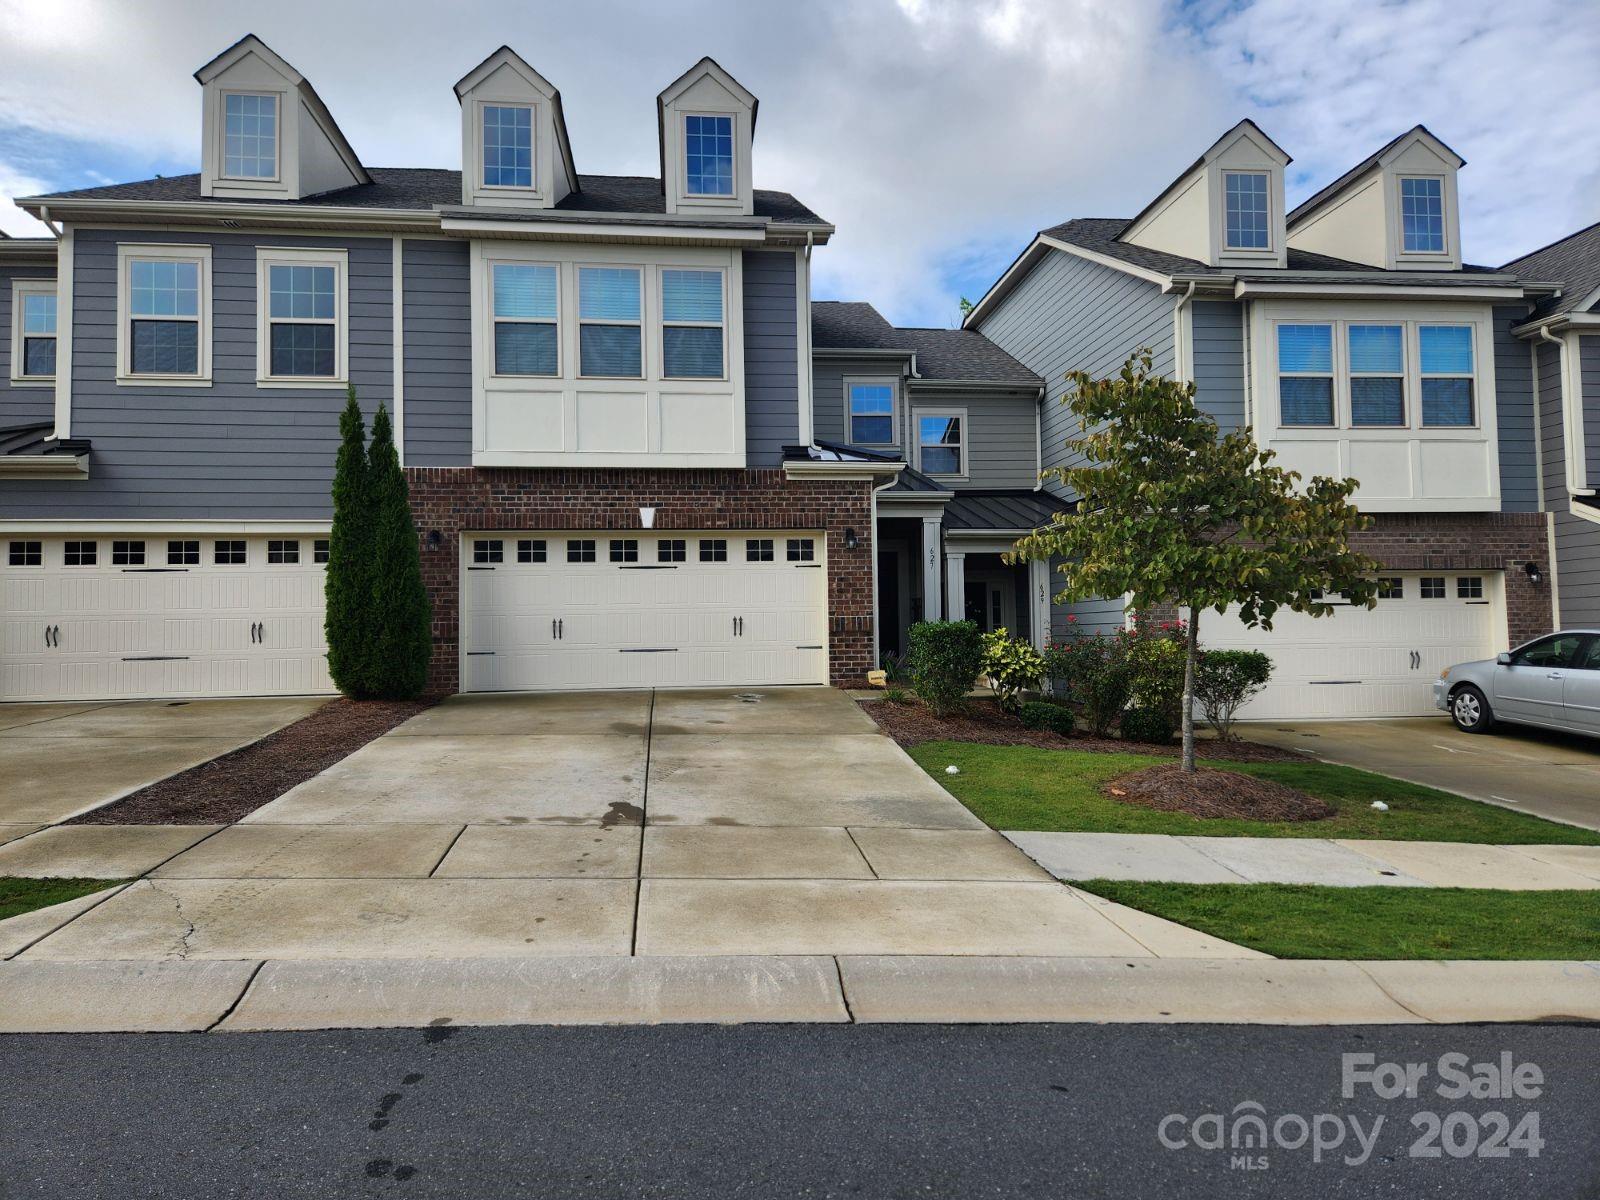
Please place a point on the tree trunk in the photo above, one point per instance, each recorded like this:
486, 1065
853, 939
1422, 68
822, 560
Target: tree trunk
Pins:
1188, 689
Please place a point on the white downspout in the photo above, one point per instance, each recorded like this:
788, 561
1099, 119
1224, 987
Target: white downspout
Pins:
1038, 441
877, 648
1538, 459
1184, 366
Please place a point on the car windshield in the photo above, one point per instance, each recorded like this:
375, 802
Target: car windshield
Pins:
1557, 651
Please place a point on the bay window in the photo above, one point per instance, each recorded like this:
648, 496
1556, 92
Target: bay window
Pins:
1377, 370
609, 327
1447, 375
691, 324
1305, 374
526, 301
1376, 375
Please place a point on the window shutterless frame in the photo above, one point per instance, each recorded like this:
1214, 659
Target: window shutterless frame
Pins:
691, 301
33, 332
163, 299
872, 410
249, 134
933, 428
525, 297
710, 155
297, 315
606, 303
499, 135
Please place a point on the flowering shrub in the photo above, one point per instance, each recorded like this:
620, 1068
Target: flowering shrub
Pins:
1093, 670
1013, 667
1156, 654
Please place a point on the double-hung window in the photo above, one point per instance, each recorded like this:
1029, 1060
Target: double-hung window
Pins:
1422, 215
941, 443
33, 330
1446, 355
1377, 375
249, 136
507, 145
164, 302
691, 324
1248, 222
609, 329
1305, 374
871, 412
526, 299
708, 155
301, 305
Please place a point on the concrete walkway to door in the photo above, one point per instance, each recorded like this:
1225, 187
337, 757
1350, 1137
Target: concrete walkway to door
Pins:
673, 824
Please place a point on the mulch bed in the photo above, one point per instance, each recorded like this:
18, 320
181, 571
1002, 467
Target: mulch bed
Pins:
985, 722
1212, 793
221, 791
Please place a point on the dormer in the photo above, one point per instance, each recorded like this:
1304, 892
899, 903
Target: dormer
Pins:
1226, 210
266, 133
707, 124
1396, 210
514, 147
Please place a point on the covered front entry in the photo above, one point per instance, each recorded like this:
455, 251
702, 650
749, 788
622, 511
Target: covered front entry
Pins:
545, 611
1377, 662
115, 616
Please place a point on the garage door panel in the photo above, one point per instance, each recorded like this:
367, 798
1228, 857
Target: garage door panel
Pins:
644, 623
1360, 662
157, 629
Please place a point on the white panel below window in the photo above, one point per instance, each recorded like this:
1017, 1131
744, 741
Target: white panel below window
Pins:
612, 422
524, 420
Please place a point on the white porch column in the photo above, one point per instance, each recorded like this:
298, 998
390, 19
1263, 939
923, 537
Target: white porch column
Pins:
1039, 601
930, 567
955, 585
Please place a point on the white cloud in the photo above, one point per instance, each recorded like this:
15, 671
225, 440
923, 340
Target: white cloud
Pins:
13, 221
937, 134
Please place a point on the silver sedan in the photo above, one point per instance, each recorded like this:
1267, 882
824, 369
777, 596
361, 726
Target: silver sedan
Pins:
1552, 682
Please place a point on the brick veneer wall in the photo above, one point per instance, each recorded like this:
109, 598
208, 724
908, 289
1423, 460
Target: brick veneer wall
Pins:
1465, 543
451, 500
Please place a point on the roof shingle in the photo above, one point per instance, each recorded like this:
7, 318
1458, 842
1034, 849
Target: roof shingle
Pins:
1573, 261
942, 354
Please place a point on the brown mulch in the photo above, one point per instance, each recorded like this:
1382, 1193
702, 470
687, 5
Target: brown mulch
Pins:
221, 791
985, 722
1213, 793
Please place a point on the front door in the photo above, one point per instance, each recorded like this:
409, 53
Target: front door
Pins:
889, 641
977, 604
1530, 687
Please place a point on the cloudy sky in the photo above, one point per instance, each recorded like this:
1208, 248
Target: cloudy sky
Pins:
938, 135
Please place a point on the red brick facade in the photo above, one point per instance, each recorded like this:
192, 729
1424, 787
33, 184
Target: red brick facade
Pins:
450, 500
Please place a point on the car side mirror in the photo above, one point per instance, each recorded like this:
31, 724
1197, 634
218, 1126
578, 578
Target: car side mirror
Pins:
1503, 658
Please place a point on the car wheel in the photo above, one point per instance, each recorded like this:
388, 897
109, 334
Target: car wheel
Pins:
1470, 710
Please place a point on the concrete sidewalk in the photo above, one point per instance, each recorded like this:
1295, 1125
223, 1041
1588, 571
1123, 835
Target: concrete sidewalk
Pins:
1165, 858
242, 996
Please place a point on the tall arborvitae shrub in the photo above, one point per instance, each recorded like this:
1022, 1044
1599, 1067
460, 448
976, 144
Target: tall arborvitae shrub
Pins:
348, 586
398, 617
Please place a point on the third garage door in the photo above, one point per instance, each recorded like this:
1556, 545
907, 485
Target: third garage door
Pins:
1378, 662
557, 611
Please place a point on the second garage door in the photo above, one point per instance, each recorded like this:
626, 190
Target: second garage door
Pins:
1377, 662
557, 611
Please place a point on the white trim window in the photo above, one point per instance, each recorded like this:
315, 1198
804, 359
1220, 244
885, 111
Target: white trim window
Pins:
1422, 215
164, 315
692, 338
1377, 375
250, 135
942, 442
302, 304
708, 154
1247, 221
33, 331
526, 301
610, 324
1305, 375
869, 411
1446, 357
506, 132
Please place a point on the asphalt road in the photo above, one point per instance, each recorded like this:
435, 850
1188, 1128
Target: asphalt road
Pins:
813, 1111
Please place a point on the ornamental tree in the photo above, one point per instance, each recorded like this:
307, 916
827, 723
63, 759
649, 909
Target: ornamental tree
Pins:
1172, 511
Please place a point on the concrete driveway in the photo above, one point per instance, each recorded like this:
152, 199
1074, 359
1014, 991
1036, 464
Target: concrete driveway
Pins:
667, 824
59, 760
1547, 774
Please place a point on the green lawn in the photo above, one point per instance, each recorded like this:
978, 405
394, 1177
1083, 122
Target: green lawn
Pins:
1021, 787
1301, 921
18, 896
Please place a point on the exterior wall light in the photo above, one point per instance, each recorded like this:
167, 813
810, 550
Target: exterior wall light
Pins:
1535, 576
851, 541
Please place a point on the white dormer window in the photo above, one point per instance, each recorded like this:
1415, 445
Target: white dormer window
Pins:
708, 155
1422, 215
1248, 218
507, 145
249, 135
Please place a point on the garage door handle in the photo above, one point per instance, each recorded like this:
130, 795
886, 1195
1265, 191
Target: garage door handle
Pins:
552, 629
561, 628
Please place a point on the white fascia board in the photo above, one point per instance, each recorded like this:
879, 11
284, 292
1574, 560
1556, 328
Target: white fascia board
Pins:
922, 383
905, 498
1256, 289
93, 525
85, 209
572, 231
1106, 260
1034, 252
1555, 324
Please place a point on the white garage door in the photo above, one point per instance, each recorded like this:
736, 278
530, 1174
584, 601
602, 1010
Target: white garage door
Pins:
113, 617
1378, 662
558, 611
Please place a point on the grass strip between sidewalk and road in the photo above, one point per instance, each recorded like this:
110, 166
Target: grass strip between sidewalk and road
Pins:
1313, 921
18, 896
1059, 791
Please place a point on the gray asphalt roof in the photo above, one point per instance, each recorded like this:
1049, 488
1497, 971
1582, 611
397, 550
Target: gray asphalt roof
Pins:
942, 354
422, 188
1002, 510
1573, 261
913, 482
1100, 234
1360, 169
